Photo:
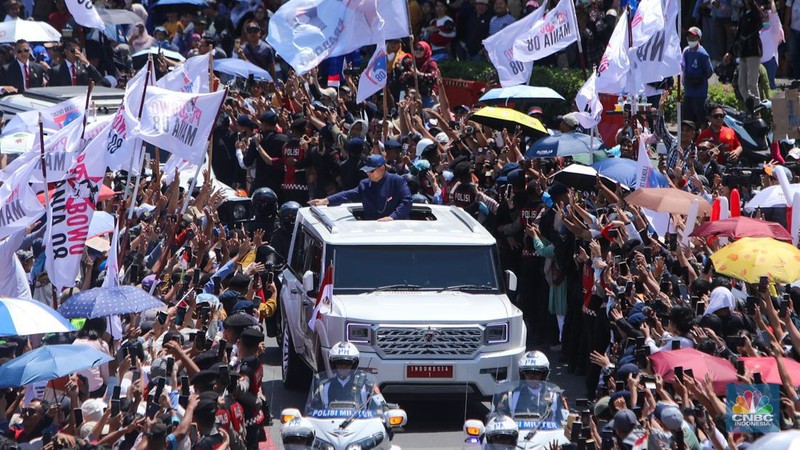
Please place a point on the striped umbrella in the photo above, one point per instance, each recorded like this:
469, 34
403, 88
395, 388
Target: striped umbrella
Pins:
23, 317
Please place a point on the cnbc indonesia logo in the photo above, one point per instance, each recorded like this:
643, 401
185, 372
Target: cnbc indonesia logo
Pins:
752, 409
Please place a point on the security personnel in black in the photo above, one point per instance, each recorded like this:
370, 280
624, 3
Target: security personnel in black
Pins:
266, 154
282, 237
248, 388
265, 212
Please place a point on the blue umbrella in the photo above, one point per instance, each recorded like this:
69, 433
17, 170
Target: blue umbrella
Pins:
623, 170
24, 317
195, 3
240, 68
563, 145
50, 362
108, 301
522, 92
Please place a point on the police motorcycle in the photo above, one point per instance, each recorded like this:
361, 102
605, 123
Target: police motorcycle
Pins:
344, 410
527, 412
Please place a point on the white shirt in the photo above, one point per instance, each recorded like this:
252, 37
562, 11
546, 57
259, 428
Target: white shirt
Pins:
795, 25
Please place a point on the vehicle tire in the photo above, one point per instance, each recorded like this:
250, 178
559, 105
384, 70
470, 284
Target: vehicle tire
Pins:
294, 372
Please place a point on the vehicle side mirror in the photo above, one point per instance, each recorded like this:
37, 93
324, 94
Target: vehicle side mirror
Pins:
288, 414
511, 280
396, 418
308, 281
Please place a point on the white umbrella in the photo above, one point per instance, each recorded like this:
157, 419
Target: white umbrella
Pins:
118, 23
785, 440
24, 317
31, 31
102, 223
771, 197
16, 143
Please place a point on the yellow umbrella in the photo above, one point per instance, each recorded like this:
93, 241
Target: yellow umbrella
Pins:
499, 118
750, 258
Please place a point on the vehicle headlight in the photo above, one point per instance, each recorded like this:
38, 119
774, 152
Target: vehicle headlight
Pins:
239, 212
323, 445
358, 333
368, 443
496, 333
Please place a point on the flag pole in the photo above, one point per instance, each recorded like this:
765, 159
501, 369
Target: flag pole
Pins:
86, 106
413, 58
210, 89
49, 211
141, 158
581, 57
678, 99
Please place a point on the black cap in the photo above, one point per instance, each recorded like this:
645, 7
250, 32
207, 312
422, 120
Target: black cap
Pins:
206, 360
240, 321
206, 408
7, 349
204, 380
269, 117
299, 124
245, 121
239, 281
173, 336
251, 337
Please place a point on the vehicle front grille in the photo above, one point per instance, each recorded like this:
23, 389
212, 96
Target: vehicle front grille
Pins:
429, 342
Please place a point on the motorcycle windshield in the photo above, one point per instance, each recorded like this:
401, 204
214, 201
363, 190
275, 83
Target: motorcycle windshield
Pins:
343, 394
532, 404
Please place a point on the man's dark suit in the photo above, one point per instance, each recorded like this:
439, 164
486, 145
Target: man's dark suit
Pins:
61, 75
14, 76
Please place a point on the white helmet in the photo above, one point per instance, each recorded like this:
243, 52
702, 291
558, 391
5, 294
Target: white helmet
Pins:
344, 351
501, 430
298, 433
535, 362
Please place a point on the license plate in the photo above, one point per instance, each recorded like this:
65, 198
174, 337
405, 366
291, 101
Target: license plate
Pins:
429, 371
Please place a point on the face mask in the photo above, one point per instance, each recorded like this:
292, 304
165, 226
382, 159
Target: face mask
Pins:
694, 44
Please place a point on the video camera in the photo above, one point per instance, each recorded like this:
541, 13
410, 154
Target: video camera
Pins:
741, 176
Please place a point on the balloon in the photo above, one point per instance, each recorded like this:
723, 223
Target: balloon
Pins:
736, 204
724, 211
780, 174
691, 221
715, 210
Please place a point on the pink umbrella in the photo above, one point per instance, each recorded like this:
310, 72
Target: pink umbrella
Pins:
739, 227
721, 370
769, 368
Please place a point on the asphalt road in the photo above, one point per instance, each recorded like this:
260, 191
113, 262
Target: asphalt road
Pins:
432, 424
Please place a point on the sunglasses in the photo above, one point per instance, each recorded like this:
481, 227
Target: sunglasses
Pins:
29, 411
24, 50
718, 116
253, 30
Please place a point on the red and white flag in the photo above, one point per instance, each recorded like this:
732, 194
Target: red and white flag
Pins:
324, 298
19, 206
644, 168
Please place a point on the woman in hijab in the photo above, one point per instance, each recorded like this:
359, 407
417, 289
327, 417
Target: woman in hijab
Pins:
139, 39
427, 73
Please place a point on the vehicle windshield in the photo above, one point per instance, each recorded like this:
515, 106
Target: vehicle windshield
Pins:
367, 268
339, 394
532, 404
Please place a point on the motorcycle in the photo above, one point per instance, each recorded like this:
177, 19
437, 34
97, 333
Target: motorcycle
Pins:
358, 420
536, 407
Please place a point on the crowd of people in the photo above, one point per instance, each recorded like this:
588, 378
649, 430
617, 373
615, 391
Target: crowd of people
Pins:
598, 286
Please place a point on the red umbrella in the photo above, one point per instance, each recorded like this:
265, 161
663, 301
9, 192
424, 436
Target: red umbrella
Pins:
721, 370
739, 227
769, 368
105, 194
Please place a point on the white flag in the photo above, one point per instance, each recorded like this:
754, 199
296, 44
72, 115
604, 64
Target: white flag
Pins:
71, 207
612, 72
55, 117
500, 49
647, 21
123, 150
85, 14
590, 109
179, 123
555, 31
19, 207
644, 168
306, 32
60, 151
374, 76
191, 76
660, 56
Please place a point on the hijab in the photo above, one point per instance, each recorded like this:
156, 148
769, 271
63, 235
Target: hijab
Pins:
426, 64
140, 41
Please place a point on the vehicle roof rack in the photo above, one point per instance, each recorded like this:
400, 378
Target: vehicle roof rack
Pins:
323, 218
463, 217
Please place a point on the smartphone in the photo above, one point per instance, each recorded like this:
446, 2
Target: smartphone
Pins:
613, 233
763, 284
666, 286
270, 278
623, 268
180, 316
757, 378
224, 371
170, 365
619, 386
735, 341
750, 305
689, 372
784, 307
676, 345
134, 273
608, 440
116, 392
582, 403
115, 407
617, 260
700, 308
223, 345
160, 387
739, 367
162, 317
183, 399
575, 431
673, 242
196, 277
679, 373
200, 340
78, 413
640, 398
628, 289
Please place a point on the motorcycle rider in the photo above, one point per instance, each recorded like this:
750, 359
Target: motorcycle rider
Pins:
347, 384
532, 395
265, 209
501, 433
